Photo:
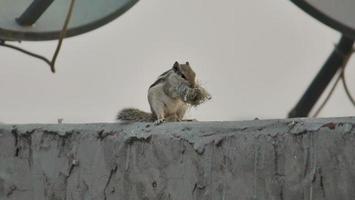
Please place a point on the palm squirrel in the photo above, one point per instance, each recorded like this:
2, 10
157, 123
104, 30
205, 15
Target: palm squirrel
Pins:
169, 97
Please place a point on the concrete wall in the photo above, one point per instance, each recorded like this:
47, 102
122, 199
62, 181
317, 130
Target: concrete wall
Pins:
275, 159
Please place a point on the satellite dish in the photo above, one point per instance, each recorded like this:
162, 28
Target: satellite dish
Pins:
338, 14
37, 20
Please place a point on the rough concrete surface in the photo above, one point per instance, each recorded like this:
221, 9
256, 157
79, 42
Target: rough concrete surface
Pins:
262, 159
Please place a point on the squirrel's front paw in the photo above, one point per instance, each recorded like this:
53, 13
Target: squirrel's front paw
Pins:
159, 121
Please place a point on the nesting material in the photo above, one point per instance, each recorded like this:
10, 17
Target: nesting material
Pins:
194, 96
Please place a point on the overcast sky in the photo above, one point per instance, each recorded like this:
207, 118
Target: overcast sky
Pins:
255, 57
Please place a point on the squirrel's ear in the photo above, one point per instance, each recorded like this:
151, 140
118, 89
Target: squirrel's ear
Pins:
176, 65
187, 63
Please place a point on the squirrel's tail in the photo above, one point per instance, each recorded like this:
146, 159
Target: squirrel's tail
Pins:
134, 115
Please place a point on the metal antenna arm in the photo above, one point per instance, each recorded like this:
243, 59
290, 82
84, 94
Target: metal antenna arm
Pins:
334, 62
33, 12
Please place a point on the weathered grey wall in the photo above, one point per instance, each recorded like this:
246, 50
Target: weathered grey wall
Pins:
273, 159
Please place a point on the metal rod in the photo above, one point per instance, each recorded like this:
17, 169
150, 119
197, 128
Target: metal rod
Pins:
323, 78
33, 12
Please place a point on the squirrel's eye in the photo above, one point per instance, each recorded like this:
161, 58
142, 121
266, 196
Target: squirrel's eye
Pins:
183, 76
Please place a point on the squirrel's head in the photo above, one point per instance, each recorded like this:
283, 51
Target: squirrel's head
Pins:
185, 72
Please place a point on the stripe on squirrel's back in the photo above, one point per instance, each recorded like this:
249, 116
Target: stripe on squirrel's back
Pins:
165, 73
160, 79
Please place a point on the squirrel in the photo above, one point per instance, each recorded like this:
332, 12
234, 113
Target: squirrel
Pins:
166, 97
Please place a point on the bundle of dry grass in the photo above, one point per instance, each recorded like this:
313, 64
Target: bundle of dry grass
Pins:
197, 96
194, 96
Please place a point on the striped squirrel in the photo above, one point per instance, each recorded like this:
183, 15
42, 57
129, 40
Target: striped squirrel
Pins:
168, 97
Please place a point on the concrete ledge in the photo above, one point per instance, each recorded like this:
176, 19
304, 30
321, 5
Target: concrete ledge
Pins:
273, 159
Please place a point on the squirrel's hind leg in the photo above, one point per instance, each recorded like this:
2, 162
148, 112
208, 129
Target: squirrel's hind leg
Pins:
159, 121
159, 113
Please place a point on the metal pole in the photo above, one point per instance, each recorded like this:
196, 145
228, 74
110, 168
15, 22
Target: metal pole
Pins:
33, 12
323, 78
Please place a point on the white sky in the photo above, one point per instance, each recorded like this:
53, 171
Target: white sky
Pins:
255, 57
